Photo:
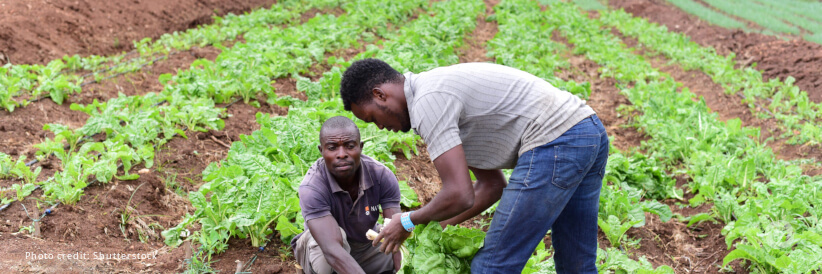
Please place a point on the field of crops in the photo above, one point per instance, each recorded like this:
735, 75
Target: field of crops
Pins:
183, 152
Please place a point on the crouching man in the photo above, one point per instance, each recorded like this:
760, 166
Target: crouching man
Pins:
341, 197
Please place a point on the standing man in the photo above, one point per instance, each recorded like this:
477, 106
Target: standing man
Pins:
341, 197
485, 117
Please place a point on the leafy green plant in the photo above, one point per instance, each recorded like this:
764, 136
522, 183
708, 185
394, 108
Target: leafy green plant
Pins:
644, 173
409, 198
614, 229
23, 190
537, 263
434, 250
20, 170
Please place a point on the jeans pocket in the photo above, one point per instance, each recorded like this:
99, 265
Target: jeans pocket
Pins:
571, 164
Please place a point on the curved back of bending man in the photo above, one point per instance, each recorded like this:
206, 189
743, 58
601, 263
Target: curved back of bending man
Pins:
485, 117
341, 197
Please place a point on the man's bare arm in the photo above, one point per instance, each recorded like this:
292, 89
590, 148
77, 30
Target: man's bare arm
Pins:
487, 191
457, 194
387, 213
326, 232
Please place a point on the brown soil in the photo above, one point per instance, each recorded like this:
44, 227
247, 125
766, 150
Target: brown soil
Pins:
276, 258
20, 129
93, 225
474, 48
775, 57
99, 27
698, 249
420, 174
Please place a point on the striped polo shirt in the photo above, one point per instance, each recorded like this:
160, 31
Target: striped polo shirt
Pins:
496, 112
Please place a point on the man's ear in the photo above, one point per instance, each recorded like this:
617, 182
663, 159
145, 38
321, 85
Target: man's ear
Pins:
320, 147
362, 145
379, 94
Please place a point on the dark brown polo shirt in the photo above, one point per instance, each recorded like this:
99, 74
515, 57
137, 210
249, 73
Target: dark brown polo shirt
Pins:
321, 195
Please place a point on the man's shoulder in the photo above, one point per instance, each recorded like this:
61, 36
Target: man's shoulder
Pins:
316, 175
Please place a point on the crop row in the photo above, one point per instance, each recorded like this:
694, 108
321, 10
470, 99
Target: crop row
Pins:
770, 209
755, 13
21, 84
136, 126
799, 116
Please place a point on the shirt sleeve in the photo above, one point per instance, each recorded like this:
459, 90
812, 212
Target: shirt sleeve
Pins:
313, 203
389, 190
438, 117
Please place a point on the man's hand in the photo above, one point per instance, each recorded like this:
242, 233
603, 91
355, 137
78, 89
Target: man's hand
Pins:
392, 235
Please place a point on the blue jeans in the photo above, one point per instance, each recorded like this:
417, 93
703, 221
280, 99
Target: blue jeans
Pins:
555, 186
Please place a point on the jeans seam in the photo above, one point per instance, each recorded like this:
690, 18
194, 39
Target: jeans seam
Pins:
530, 166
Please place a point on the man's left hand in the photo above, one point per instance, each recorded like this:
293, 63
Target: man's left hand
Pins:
392, 235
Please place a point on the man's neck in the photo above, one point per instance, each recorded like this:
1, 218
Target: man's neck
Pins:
350, 183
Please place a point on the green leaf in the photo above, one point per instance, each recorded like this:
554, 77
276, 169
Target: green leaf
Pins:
698, 218
408, 198
128, 177
658, 208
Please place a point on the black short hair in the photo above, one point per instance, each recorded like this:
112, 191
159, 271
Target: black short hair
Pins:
338, 122
361, 77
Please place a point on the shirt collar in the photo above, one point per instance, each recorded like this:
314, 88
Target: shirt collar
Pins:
408, 89
365, 178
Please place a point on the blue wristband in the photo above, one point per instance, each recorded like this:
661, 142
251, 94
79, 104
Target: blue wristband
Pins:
405, 219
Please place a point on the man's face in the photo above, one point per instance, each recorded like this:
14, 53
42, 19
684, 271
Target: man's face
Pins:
341, 149
386, 111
